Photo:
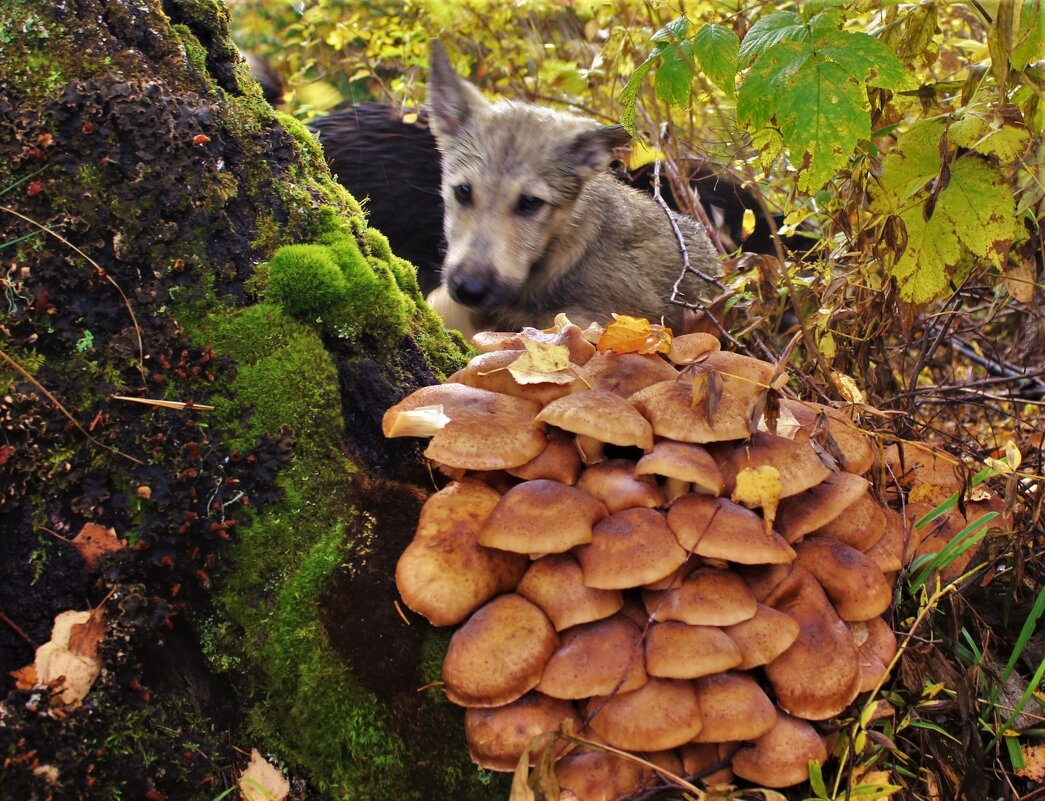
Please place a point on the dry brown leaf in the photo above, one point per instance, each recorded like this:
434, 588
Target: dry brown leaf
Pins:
94, 541
85, 637
260, 781
1019, 281
70, 674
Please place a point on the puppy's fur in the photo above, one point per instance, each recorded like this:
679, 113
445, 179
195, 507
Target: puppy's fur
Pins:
536, 225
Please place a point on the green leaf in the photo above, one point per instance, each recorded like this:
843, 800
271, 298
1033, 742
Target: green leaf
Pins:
717, 48
772, 75
865, 58
816, 780
979, 129
822, 117
675, 30
912, 38
768, 31
979, 208
909, 167
674, 75
1029, 40
631, 92
922, 272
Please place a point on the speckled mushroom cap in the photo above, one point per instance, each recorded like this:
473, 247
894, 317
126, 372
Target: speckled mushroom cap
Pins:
541, 516
687, 348
614, 482
856, 586
861, 525
762, 638
707, 597
596, 658
795, 460
800, 514
445, 574
490, 371
684, 462
600, 415
559, 461
497, 736
892, 551
819, 675
876, 645
556, 584
852, 446
780, 757
732, 707
699, 761
498, 655
599, 776
663, 713
680, 651
629, 548
670, 408
717, 528
625, 374
487, 431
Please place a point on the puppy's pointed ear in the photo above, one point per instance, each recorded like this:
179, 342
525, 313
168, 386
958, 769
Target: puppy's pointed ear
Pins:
591, 151
451, 99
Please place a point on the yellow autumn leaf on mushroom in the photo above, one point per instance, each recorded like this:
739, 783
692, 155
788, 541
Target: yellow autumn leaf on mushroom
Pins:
759, 486
634, 335
542, 363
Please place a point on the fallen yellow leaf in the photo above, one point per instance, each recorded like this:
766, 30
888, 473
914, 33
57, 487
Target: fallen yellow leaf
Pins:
542, 363
759, 486
261, 781
634, 335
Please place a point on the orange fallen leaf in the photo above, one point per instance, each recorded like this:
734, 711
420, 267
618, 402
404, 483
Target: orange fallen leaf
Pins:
24, 677
94, 541
85, 637
1033, 763
634, 335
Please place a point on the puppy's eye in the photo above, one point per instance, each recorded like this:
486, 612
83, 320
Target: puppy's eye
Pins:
528, 205
463, 194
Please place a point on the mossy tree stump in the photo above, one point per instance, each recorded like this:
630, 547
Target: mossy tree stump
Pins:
147, 191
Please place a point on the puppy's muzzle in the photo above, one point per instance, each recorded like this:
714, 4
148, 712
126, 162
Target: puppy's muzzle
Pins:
470, 290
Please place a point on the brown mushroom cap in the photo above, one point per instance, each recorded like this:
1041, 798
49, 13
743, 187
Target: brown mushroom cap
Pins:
487, 431
706, 597
780, 757
497, 736
556, 584
687, 348
600, 415
625, 374
702, 761
571, 336
732, 707
876, 644
680, 651
861, 525
541, 516
684, 462
670, 408
490, 371
599, 776
856, 586
800, 514
661, 714
890, 553
498, 655
764, 637
614, 483
559, 461
851, 444
444, 573
717, 528
795, 460
596, 659
629, 548
762, 580
819, 675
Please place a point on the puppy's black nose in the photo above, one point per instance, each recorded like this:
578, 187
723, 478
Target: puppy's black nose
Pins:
470, 290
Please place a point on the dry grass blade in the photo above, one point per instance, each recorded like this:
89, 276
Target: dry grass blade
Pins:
166, 404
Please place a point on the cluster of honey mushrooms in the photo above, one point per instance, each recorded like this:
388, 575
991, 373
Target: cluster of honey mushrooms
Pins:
632, 550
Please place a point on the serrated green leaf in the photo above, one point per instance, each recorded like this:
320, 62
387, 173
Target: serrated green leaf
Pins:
631, 91
1029, 41
909, 167
674, 76
772, 75
675, 30
717, 48
865, 58
922, 272
768, 31
975, 132
821, 118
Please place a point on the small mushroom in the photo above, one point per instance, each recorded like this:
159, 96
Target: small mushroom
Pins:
541, 516
800, 514
614, 483
717, 528
833, 432
684, 465
780, 757
556, 584
598, 417
625, 374
856, 586
661, 714
762, 638
680, 651
597, 658
687, 348
599, 776
861, 525
706, 597
497, 736
498, 655
489, 371
628, 549
732, 707
708, 762
559, 461
796, 462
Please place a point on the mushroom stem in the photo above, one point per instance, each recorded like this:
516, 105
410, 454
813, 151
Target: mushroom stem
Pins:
675, 488
590, 449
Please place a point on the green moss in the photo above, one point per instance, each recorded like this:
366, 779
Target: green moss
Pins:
306, 280
195, 53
